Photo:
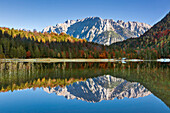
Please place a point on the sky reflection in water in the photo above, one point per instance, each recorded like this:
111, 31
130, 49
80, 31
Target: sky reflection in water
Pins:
85, 88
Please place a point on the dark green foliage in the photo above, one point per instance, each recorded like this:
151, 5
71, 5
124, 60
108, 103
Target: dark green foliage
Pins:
1, 49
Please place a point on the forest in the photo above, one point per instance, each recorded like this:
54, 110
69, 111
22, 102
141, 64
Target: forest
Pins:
153, 44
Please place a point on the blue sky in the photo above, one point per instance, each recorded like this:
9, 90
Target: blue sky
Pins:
37, 14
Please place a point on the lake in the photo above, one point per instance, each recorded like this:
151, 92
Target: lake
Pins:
130, 87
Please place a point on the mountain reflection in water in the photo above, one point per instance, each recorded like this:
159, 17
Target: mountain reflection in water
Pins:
100, 88
67, 79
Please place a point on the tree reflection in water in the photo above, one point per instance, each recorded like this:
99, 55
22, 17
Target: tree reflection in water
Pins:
152, 75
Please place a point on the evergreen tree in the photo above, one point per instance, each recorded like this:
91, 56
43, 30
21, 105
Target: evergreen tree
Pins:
1, 50
37, 52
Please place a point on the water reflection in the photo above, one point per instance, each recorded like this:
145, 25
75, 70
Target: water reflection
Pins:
86, 77
101, 88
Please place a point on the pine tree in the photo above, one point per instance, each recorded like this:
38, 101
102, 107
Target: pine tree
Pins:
22, 52
37, 52
14, 53
6, 45
1, 50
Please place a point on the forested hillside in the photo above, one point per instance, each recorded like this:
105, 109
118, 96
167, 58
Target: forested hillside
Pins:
25, 44
155, 41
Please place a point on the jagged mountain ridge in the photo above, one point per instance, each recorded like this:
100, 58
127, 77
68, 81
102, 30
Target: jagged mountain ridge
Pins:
101, 88
91, 29
156, 39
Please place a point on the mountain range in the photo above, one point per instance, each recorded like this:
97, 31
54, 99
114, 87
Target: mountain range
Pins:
98, 30
101, 88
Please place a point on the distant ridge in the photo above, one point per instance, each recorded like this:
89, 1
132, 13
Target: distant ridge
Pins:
102, 31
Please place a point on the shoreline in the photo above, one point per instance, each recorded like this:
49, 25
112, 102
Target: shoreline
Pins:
53, 60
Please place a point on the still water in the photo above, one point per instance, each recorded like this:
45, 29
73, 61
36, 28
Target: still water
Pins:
142, 87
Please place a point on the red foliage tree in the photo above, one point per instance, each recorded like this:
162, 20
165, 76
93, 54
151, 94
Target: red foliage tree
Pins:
28, 54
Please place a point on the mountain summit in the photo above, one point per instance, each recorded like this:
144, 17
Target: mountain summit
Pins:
102, 31
101, 88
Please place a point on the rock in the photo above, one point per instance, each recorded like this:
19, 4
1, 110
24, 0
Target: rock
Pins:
92, 28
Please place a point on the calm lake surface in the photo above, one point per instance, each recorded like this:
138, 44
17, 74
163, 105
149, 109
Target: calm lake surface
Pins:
132, 87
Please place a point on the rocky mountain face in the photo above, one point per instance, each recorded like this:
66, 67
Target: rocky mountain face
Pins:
101, 88
102, 31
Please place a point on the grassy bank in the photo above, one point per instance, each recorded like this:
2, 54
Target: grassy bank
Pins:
48, 60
